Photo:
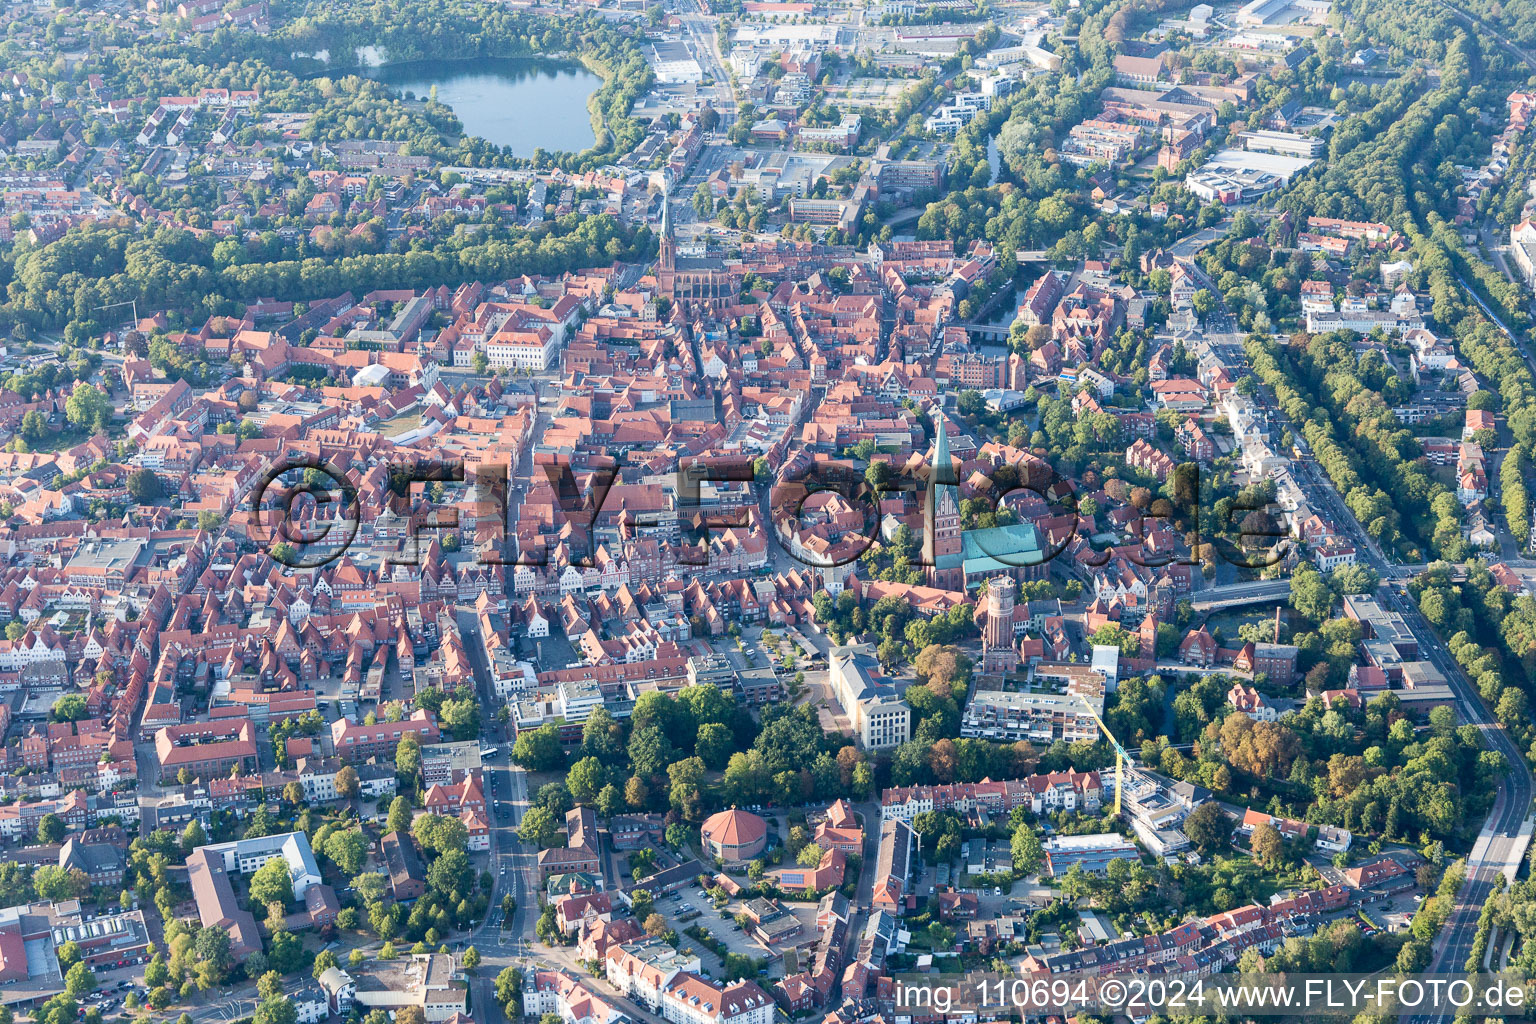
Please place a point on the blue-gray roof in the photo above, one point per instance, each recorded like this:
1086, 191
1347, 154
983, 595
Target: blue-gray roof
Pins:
1001, 548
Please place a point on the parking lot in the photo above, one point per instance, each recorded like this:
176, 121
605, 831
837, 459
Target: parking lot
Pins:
1393, 912
721, 925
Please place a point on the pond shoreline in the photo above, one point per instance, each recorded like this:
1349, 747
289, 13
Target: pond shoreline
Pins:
525, 103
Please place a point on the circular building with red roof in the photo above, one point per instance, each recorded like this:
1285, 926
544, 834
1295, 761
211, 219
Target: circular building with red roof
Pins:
733, 836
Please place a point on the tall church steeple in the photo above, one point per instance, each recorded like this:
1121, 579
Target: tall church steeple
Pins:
667, 256
943, 476
941, 541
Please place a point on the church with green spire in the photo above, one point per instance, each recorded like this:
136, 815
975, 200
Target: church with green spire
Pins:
942, 540
960, 559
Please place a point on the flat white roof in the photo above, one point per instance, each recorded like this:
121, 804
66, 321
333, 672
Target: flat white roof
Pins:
1247, 160
1098, 841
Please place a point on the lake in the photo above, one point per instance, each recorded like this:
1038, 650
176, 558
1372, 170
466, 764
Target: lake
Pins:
524, 104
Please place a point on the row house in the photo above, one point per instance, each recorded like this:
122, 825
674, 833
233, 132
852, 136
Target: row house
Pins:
355, 742
1141, 455
1042, 794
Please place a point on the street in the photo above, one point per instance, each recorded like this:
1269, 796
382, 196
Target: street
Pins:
1500, 847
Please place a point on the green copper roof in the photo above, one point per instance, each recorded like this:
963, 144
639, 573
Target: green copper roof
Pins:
941, 449
1000, 548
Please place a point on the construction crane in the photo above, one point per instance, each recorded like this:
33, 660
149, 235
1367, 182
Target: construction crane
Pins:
1121, 754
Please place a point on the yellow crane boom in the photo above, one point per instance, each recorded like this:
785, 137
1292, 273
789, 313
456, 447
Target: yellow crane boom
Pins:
1121, 754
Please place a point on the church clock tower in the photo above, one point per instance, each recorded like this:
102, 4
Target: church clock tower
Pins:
942, 543
668, 257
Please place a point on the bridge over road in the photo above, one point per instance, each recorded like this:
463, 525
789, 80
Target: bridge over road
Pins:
1235, 595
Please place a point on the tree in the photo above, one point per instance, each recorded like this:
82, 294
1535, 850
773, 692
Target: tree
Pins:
714, 744
33, 427
1310, 594
441, 833
1268, 846
687, 777
293, 793
79, 981
270, 983
863, 779
878, 473
155, 972
88, 408
1511, 708
471, 960
346, 782
641, 902
68, 708
144, 486
55, 883
211, 948
538, 827
348, 849
554, 797
509, 986
636, 793
271, 884
602, 737
538, 750
585, 779
324, 961
277, 1009
51, 829
655, 924
371, 887
451, 875
649, 749
1208, 827
944, 663
1112, 634
408, 756
399, 815
1354, 579
610, 801
1263, 748
461, 717
69, 955
1028, 854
